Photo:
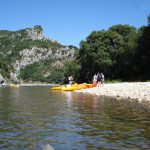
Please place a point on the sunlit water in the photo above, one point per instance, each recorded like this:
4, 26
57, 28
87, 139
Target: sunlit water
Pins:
31, 117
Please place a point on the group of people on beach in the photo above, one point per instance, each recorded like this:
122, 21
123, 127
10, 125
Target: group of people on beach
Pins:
98, 78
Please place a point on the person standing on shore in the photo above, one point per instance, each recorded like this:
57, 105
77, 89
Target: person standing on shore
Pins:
2, 82
99, 79
102, 78
95, 78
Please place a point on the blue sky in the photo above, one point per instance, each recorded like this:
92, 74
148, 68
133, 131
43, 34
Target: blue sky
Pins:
70, 21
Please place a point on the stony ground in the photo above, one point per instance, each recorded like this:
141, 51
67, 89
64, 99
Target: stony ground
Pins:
134, 90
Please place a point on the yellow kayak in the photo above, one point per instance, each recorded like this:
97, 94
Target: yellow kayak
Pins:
63, 86
72, 88
56, 88
75, 87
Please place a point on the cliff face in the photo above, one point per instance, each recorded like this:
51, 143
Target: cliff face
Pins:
27, 47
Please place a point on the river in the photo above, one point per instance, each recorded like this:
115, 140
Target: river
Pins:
31, 117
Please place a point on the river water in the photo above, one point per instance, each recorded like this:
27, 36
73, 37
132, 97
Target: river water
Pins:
31, 117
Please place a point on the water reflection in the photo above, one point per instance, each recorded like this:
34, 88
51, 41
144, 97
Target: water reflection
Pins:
31, 117
68, 98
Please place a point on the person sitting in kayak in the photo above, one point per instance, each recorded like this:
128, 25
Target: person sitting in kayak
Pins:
70, 78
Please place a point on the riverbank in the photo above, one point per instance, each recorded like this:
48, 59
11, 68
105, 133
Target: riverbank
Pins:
127, 90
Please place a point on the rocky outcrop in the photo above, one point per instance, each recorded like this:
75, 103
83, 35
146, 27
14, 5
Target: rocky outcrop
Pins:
30, 46
30, 56
35, 33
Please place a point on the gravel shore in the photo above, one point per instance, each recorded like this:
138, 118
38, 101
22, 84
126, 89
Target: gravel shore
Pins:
133, 90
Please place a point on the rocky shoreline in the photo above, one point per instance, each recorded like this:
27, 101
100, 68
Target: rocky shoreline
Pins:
127, 90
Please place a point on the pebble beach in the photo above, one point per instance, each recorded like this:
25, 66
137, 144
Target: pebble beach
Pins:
127, 90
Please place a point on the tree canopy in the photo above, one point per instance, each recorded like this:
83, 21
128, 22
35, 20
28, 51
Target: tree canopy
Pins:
121, 52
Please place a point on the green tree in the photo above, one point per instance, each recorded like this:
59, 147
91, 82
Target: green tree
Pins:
56, 76
71, 68
110, 51
4, 68
148, 20
124, 60
94, 55
143, 53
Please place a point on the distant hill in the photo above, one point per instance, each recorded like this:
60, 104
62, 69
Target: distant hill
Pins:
27, 55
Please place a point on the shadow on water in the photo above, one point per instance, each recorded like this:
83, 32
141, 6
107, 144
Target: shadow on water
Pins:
31, 117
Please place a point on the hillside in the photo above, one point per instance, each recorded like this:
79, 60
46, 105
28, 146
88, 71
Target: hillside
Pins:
27, 55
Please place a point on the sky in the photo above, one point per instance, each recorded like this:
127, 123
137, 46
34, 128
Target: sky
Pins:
70, 21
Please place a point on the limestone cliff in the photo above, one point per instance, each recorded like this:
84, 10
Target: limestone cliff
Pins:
29, 46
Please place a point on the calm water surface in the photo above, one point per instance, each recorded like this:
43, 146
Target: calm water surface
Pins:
31, 117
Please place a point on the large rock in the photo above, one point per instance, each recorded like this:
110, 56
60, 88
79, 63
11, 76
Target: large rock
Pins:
35, 33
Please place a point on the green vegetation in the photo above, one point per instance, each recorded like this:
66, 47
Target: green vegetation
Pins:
44, 72
71, 68
37, 72
113, 81
38, 27
4, 68
122, 52
11, 43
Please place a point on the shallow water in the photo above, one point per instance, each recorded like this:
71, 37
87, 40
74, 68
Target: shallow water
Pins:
31, 117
